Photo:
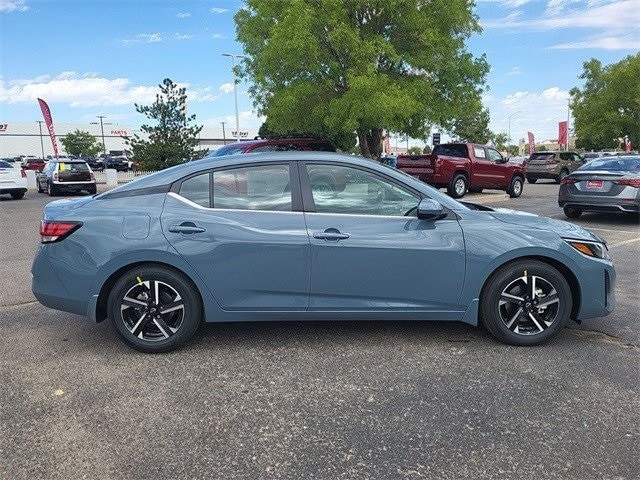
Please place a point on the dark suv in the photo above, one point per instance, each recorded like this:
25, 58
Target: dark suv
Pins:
274, 145
553, 165
66, 176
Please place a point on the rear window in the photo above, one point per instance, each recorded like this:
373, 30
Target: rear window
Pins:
228, 150
72, 167
541, 156
614, 165
451, 150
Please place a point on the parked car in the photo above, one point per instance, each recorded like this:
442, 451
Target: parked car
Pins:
552, 165
588, 156
608, 184
253, 237
121, 164
11, 160
465, 166
33, 163
274, 145
66, 176
13, 180
96, 164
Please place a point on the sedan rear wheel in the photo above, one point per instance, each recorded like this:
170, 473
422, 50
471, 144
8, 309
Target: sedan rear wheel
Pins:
526, 303
572, 212
155, 309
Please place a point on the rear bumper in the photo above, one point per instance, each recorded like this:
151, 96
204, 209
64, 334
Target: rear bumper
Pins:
599, 204
12, 190
75, 186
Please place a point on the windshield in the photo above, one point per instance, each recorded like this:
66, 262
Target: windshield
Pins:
628, 164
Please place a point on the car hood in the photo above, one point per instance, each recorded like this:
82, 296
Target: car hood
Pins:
562, 228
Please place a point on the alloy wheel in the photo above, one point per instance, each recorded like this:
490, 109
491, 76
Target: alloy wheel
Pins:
152, 310
460, 186
529, 305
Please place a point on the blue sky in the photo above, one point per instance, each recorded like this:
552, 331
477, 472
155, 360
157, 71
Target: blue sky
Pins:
98, 57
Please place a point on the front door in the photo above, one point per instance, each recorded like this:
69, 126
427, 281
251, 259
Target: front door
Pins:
369, 251
238, 229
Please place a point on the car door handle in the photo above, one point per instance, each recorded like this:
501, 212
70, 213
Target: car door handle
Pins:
186, 228
331, 234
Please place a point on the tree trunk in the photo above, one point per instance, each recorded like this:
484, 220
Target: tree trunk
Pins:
370, 142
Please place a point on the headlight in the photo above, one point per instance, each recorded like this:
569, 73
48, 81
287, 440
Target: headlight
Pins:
590, 249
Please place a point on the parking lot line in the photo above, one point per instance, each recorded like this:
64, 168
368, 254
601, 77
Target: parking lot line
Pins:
625, 242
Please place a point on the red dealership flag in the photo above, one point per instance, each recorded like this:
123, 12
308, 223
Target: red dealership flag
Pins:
532, 143
627, 144
48, 120
562, 133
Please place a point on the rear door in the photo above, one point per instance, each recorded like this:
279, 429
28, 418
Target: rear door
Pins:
483, 173
242, 229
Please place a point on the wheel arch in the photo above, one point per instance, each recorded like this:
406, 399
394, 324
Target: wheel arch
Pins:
565, 271
107, 285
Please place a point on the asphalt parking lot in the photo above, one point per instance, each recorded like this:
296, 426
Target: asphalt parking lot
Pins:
320, 399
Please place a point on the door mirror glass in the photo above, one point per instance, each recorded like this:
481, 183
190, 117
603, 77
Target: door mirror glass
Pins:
429, 209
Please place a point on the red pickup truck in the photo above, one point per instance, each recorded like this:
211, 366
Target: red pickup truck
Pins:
465, 166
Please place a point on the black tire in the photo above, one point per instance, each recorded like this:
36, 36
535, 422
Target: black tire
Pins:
51, 190
458, 186
515, 187
572, 212
475, 190
532, 180
510, 320
40, 190
563, 173
17, 195
145, 327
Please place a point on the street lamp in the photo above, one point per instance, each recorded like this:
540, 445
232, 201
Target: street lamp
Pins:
40, 122
235, 89
509, 135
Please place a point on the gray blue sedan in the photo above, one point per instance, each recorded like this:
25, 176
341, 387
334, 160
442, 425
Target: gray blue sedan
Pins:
310, 236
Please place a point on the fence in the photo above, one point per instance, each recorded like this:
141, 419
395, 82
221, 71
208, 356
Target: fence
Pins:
121, 177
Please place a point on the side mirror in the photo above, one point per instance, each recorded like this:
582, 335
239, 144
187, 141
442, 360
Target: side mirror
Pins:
429, 209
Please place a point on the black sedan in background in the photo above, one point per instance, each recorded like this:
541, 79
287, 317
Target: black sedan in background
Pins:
607, 184
66, 175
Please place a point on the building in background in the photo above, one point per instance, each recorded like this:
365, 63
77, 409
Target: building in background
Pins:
26, 138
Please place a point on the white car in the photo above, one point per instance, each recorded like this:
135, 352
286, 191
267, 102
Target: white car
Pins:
12, 180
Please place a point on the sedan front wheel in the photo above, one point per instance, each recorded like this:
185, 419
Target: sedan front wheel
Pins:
525, 303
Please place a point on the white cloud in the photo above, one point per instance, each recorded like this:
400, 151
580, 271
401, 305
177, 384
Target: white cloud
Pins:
218, 36
507, 3
8, 6
79, 91
226, 87
183, 15
179, 36
623, 42
218, 10
514, 71
618, 15
143, 38
537, 112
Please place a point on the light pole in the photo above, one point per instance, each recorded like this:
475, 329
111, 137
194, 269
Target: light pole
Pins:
235, 89
224, 135
40, 122
104, 148
509, 134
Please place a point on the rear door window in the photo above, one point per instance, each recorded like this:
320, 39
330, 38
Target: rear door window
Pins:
479, 152
265, 187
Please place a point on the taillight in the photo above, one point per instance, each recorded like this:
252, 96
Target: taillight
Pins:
629, 182
568, 181
23, 174
93, 176
55, 231
54, 177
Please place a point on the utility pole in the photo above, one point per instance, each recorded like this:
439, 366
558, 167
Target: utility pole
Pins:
104, 148
566, 145
224, 135
40, 122
235, 89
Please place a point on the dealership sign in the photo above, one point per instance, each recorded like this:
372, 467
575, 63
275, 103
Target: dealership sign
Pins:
4, 127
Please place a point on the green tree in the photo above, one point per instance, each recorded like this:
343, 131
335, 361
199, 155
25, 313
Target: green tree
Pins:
343, 141
414, 150
607, 107
171, 140
363, 66
81, 144
473, 125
